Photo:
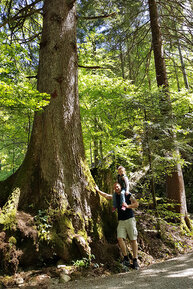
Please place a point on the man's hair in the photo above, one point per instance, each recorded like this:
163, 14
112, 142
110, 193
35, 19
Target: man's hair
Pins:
116, 184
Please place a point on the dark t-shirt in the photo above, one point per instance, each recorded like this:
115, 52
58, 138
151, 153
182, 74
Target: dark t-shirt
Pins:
128, 213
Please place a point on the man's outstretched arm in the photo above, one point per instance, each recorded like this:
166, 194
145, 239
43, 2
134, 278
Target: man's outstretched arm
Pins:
106, 196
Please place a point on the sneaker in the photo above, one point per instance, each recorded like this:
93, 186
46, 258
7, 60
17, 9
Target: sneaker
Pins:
135, 264
126, 263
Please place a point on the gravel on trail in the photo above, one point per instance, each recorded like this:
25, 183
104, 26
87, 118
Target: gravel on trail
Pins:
176, 273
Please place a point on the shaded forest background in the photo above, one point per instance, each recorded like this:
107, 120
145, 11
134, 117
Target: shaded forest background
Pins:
124, 114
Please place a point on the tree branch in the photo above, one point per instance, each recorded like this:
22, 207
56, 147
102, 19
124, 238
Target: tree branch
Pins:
32, 76
91, 67
98, 17
19, 14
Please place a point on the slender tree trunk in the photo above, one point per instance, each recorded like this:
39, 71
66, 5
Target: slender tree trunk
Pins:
29, 129
129, 64
96, 145
183, 65
160, 67
91, 161
149, 154
174, 183
101, 151
176, 74
122, 61
175, 69
151, 172
96, 153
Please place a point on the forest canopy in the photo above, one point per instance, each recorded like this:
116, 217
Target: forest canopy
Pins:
117, 88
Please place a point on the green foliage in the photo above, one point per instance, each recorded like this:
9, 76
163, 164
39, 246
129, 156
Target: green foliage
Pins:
104, 101
84, 262
43, 225
125, 121
136, 130
17, 105
18, 101
9, 210
165, 208
12, 241
128, 123
166, 213
22, 95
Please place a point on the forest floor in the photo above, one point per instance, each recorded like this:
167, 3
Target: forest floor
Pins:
176, 273
153, 250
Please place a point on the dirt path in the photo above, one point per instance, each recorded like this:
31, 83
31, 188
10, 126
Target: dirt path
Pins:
175, 273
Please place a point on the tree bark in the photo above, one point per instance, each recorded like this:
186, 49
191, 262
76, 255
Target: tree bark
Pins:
175, 183
160, 67
53, 169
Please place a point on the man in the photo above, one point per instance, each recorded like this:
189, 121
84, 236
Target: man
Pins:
126, 225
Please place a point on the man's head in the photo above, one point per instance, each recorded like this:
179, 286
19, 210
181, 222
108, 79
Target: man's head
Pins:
117, 188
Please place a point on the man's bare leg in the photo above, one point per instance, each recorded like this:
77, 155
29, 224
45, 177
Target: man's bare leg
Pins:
122, 245
134, 246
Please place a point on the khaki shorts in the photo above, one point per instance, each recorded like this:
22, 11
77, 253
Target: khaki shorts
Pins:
127, 227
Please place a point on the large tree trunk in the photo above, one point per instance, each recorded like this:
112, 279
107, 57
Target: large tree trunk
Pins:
174, 182
54, 167
54, 175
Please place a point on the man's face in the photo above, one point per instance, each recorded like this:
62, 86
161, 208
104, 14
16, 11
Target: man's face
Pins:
117, 188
